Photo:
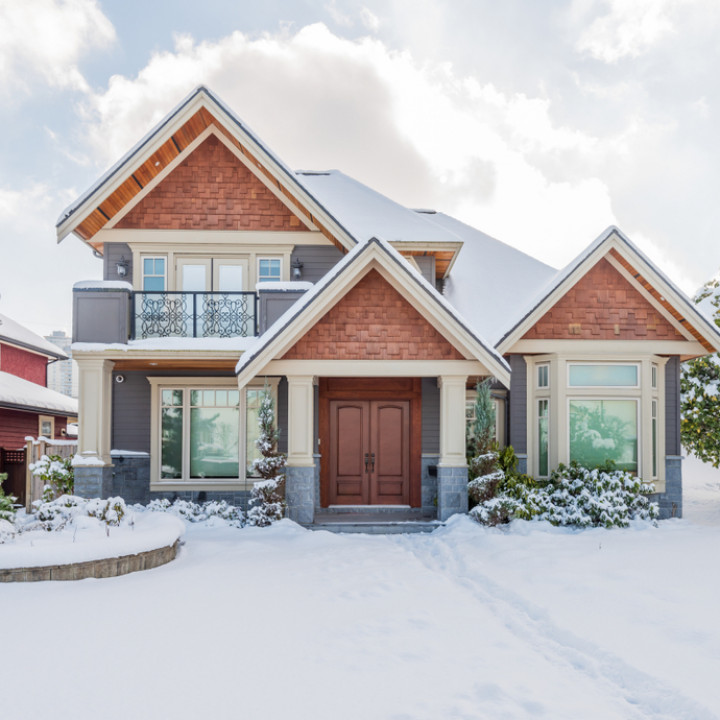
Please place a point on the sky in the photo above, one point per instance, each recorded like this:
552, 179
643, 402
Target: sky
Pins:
540, 123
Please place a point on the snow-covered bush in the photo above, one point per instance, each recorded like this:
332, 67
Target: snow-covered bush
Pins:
57, 475
7, 502
196, 512
7, 531
267, 496
56, 514
110, 511
574, 495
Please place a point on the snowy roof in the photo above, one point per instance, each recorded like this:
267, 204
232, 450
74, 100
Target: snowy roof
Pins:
489, 274
367, 213
18, 393
315, 294
13, 332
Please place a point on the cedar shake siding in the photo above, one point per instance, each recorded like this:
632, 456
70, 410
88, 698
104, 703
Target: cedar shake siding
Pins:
373, 322
211, 190
23, 364
602, 305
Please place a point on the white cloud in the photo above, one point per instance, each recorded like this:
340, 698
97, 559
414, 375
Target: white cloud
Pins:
630, 28
45, 39
417, 133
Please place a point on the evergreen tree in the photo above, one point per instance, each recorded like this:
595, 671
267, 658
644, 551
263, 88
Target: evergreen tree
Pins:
700, 387
267, 496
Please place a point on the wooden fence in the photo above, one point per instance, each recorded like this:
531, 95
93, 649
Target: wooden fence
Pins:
34, 450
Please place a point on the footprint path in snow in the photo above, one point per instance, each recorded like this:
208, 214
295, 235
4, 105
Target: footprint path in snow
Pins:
647, 697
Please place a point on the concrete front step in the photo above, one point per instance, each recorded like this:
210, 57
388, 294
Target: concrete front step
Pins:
373, 520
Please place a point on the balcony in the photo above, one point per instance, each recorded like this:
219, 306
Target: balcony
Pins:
193, 314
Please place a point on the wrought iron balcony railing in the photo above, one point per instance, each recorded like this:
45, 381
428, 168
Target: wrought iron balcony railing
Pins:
193, 314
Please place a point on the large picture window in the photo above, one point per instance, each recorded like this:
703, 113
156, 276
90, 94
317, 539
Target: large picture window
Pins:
205, 432
604, 430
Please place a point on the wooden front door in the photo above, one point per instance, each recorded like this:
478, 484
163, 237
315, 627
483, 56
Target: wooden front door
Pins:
369, 452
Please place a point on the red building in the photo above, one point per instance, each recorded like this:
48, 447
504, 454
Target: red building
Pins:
27, 406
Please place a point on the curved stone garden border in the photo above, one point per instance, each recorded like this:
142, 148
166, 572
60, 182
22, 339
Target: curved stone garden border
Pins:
107, 567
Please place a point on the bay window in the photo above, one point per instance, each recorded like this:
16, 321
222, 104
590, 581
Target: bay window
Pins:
592, 412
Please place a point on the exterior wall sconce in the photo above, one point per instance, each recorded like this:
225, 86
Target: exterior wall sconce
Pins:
296, 268
122, 267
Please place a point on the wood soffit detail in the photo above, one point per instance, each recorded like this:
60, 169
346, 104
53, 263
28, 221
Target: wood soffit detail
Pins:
160, 159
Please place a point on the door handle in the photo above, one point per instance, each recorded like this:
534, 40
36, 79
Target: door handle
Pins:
372, 461
367, 460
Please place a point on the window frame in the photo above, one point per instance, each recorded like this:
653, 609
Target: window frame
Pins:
185, 482
153, 257
259, 259
46, 419
498, 398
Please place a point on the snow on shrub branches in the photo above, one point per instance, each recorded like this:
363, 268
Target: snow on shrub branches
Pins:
574, 495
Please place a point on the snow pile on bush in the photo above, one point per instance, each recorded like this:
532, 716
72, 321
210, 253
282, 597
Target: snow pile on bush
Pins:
574, 495
210, 512
56, 514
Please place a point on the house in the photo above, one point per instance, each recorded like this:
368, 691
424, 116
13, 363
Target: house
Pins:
27, 405
225, 273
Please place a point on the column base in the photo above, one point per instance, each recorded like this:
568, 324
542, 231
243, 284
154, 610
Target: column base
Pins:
300, 493
452, 491
670, 501
94, 481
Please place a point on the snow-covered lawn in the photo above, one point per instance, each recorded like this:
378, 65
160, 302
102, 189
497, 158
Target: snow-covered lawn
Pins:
464, 623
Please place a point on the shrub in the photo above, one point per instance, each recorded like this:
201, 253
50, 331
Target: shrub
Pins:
57, 476
574, 495
7, 502
267, 497
195, 512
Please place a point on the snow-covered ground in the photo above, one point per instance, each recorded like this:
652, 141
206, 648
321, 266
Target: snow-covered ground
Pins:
526, 622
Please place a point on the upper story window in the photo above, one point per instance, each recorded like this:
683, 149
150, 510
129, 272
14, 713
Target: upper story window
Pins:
269, 269
154, 274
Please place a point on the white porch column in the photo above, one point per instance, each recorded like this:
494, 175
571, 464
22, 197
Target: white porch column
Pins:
452, 472
93, 467
452, 420
300, 476
95, 408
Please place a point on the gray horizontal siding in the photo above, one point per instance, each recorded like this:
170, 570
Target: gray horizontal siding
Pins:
430, 416
518, 404
131, 407
317, 260
672, 406
426, 263
113, 252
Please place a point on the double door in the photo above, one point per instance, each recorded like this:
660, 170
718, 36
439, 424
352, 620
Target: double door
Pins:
369, 452
212, 275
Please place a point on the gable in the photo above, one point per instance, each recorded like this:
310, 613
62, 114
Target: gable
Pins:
603, 305
372, 321
211, 190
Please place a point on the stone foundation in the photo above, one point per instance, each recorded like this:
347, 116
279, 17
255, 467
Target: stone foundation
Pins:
452, 491
670, 501
300, 483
